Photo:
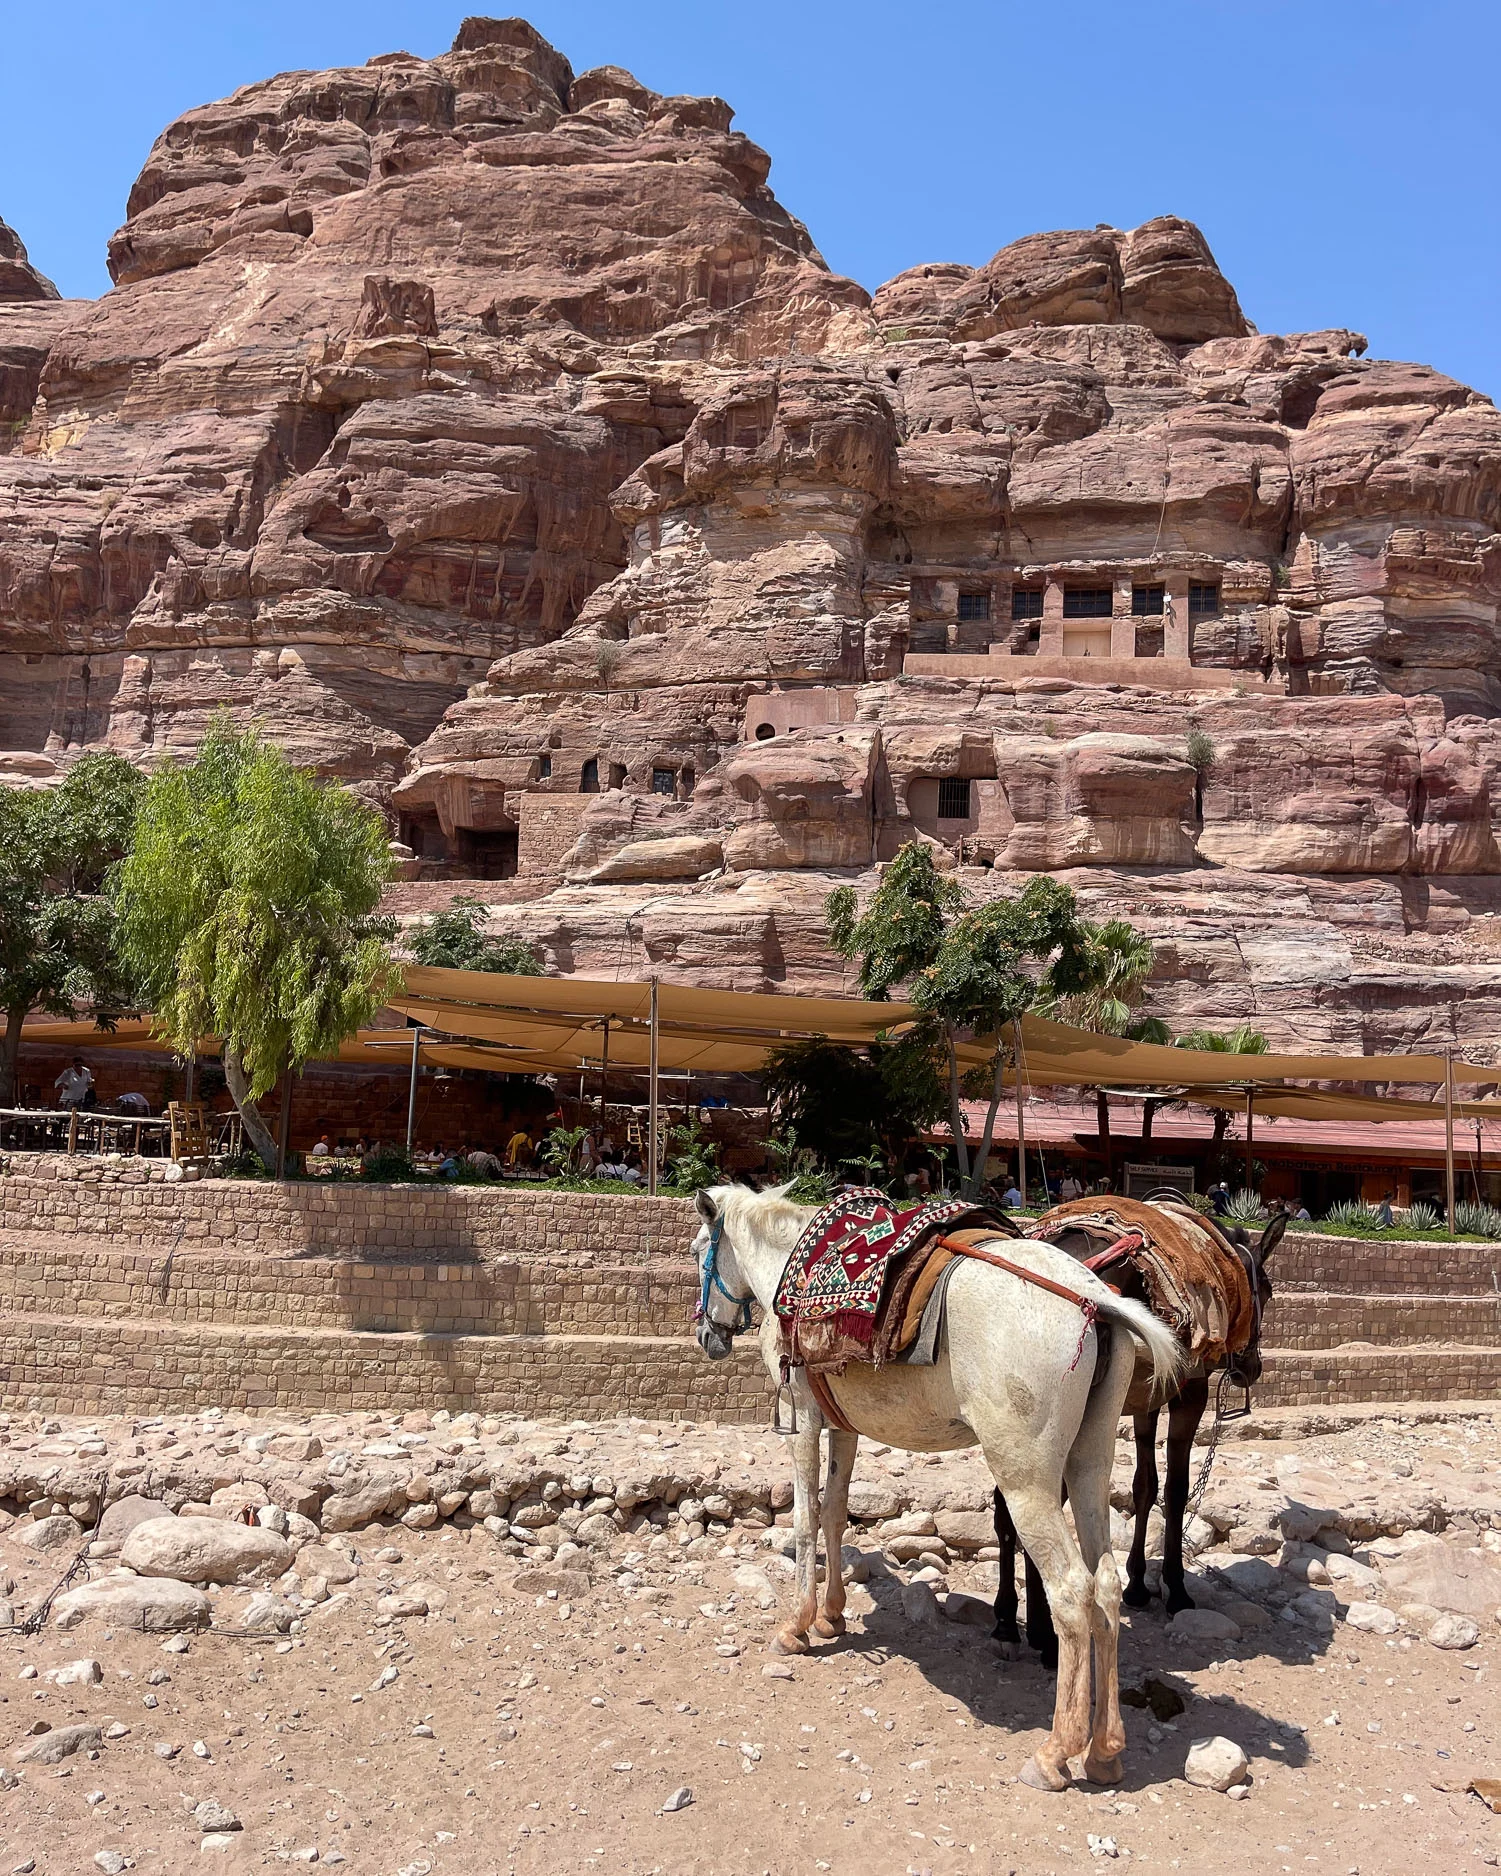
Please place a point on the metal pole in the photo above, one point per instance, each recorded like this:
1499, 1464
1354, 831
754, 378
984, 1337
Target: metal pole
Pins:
1449, 1134
1021, 1115
412, 1090
604, 1075
1250, 1134
651, 1176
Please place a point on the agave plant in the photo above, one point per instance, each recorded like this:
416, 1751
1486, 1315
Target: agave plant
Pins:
1421, 1216
1352, 1215
1480, 1221
1246, 1208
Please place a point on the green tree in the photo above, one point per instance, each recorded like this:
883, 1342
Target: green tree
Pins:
1242, 1040
57, 933
247, 911
837, 1100
970, 969
454, 940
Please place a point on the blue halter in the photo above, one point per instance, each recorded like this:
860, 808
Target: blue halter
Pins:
713, 1281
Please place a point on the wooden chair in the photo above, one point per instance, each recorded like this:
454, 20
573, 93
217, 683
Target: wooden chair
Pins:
189, 1130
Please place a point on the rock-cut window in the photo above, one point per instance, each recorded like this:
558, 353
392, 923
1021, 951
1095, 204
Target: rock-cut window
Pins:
1204, 600
544, 767
589, 777
974, 606
1087, 602
1026, 602
953, 799
1146, 601
664, 781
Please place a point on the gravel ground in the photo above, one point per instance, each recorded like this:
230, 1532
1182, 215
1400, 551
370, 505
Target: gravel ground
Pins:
450, 1695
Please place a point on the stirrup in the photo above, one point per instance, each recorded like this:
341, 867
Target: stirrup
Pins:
784, 1387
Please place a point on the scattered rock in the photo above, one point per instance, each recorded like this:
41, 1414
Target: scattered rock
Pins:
58, 1532
153, 1604
403, 1603
1202, 1625
1371, 1619
919, 1604
680, 1799
205, 1550
1216, 1763
53, 1747
1454, 1631
211, 1815
970, 1610
122, 1517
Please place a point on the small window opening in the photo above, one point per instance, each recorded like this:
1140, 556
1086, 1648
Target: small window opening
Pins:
1146, 601
764, 732
1087, 602
544, 767
953, 799
974, 606
664, 781
1026, 602
589, 777
1204, 600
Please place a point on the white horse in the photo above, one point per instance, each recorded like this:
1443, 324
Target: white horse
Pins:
1017, 1375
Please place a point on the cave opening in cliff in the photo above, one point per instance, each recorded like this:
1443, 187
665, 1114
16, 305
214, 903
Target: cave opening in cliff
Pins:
487, 853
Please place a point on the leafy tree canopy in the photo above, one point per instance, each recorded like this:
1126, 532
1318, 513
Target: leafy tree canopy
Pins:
454, 940
57, 935
837, 1102
247, 910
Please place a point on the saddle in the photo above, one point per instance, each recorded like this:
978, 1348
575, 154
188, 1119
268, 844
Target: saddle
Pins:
862, 1274
1190, 1274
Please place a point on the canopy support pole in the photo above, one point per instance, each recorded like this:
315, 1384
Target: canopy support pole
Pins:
1250, 1135
651, 1175
1021, 1115
604, 1075
284, 1132
412, 1090
1449, 1134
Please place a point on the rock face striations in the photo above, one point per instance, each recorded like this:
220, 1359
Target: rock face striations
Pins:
493, 437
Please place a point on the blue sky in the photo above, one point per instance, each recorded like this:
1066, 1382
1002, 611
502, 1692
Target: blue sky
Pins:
1342, 159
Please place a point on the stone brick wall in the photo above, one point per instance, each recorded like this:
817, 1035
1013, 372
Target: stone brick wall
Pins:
119, 1292
547, 826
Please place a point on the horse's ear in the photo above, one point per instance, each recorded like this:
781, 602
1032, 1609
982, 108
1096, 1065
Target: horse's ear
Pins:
1271, 1237
707, 1209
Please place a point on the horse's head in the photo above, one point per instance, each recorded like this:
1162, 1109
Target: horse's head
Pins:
725, 1295
1244, 1367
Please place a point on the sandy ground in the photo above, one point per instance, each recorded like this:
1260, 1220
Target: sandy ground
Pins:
541, 1727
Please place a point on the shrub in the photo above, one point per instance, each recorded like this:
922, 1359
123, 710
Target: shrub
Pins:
1351, 1215
1246, 1208
1421, 1216
1201, 753
1481, 1221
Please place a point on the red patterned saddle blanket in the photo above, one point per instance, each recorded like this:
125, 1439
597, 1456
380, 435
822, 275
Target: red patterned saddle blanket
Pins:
829, 1301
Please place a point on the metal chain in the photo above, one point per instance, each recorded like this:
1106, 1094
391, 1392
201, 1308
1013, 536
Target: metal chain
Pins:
1196, 1495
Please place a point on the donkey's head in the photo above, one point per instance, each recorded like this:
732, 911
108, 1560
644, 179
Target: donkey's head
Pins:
1244, 1367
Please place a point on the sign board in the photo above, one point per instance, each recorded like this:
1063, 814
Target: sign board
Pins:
1141, 1177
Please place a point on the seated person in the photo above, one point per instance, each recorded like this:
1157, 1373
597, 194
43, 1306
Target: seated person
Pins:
519, 1148
1011, 1199
321, 1149
134, 1104
485, 1164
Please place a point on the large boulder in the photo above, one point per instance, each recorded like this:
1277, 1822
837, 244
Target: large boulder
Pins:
205, 1550
153, 1604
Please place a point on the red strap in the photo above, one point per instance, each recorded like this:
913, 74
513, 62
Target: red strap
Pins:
1090, 1308
1122, 1247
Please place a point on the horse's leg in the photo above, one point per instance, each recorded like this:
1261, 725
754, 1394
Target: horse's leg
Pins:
1037, 1512
791, 1638
1143, 1496
836, 1504
1041, 1634
1183, 1420
1006, 1634
1087, 1479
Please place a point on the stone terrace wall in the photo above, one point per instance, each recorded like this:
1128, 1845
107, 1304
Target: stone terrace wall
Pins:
120, 1292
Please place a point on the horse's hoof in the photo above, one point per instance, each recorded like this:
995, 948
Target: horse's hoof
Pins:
1103, 1771
1180, 1600
829, 1625
787, 1642
1136, 1596
1038, 1776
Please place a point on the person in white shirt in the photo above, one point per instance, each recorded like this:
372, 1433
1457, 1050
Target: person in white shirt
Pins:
1070, 1189
322, 1150
75, 1084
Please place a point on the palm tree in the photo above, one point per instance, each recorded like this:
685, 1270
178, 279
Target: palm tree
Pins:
1242, 1040
1119, 962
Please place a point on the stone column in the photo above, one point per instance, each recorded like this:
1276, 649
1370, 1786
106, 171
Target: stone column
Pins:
1050, 639
1122, 624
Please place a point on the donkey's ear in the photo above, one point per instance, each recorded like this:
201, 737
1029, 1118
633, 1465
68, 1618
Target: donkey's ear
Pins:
707, 1209
1271, 1237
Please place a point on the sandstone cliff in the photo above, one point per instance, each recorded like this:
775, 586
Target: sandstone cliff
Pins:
493, 437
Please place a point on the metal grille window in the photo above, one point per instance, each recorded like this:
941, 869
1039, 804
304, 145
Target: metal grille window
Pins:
1146, 601
1204, 601
664, 781
1087, 602
1026, 602
974, 606
953, 799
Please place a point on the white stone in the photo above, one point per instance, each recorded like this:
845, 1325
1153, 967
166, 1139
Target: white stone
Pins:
58, 1532
52, 1748
919, 1604
1216, 1764
205, 1550
1371, 1619
81, 1673
211, 1815
1454, 1631
1202, 1625
680, 1799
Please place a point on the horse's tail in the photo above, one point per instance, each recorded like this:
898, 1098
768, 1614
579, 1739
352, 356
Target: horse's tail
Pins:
1166, 1352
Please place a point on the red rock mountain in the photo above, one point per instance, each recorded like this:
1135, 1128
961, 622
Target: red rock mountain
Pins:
494, 438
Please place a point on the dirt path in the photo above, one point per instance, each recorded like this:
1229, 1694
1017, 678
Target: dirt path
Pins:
539, 1715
